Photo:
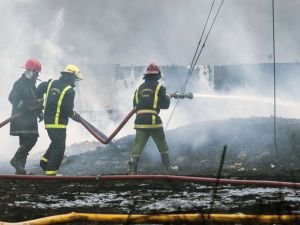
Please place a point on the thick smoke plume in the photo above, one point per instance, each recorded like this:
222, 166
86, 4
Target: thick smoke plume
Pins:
101, 32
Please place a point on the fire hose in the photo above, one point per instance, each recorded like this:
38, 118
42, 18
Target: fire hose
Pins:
138, 178
172, 218
10, 119
100, 136
104, 139
16, 115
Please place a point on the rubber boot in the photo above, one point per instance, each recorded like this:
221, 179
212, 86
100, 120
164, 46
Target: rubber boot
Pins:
133, 163
19, 161
23, 160
43, 163
168, 169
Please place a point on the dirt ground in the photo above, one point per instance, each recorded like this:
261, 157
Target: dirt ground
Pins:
196, 149
23, 200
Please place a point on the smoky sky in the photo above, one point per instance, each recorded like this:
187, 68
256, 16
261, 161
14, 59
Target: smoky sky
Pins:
137, 32
134, 31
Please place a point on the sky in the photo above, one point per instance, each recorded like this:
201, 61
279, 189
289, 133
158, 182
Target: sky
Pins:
135, 32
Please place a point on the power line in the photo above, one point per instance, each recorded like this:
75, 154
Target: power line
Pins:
196, 55
274, 79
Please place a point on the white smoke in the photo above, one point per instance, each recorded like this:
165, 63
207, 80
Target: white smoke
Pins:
127, 32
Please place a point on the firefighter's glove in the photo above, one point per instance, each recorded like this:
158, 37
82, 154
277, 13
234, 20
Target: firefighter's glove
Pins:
76, 117
40, 115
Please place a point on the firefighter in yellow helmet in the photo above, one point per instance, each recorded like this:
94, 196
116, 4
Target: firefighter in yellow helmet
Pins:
148, 99
59, 106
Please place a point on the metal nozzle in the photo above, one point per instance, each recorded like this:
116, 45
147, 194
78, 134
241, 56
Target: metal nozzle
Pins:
181, 95
189, 95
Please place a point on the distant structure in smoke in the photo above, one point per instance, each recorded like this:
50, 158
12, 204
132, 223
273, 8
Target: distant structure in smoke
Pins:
258, 78
110, 87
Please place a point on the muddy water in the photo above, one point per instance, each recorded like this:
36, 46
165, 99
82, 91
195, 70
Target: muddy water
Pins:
23, 200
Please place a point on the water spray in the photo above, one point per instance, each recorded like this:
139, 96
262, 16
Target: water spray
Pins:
245, 98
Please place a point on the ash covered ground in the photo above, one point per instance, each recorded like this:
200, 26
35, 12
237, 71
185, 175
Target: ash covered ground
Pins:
196, 149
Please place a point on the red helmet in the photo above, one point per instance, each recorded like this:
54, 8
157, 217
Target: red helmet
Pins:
152, 69
33, 64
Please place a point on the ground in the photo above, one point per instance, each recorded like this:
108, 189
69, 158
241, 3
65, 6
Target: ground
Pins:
196, 149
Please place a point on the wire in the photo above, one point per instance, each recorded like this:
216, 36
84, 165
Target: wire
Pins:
196, 52
196, 55
274, 79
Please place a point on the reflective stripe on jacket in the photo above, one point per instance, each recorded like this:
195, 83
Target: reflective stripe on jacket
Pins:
59, 102
148, 99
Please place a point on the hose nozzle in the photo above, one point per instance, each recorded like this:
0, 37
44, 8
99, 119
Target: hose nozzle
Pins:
181, 95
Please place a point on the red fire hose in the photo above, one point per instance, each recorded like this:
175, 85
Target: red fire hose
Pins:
16, 115
10, 119
264, 183
93, 130
99, 135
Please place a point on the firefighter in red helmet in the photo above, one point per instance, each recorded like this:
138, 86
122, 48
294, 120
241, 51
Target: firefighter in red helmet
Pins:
23, 98
148, 99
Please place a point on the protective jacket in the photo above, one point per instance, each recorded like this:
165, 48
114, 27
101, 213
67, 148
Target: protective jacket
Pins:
22, 97
59, 101
148, 99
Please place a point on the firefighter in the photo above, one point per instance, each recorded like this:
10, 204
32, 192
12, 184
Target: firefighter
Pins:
148, 99
59, 103
23, 99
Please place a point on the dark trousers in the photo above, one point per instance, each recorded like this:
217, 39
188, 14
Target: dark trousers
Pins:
27, 141
141, 138
55, 152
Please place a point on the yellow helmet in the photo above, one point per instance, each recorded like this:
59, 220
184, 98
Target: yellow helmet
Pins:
74, 70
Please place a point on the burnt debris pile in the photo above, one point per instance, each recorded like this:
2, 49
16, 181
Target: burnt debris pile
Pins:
197, 149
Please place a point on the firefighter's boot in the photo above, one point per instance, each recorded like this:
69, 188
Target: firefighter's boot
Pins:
133, 163
168, 169
43, 163
19, 161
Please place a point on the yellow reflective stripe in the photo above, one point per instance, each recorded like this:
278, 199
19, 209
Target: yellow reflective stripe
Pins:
144, 111
47, 93
137, 96
55, 126
44, 159
153, 119
50, 172
156, 96
59, 103
148, 126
